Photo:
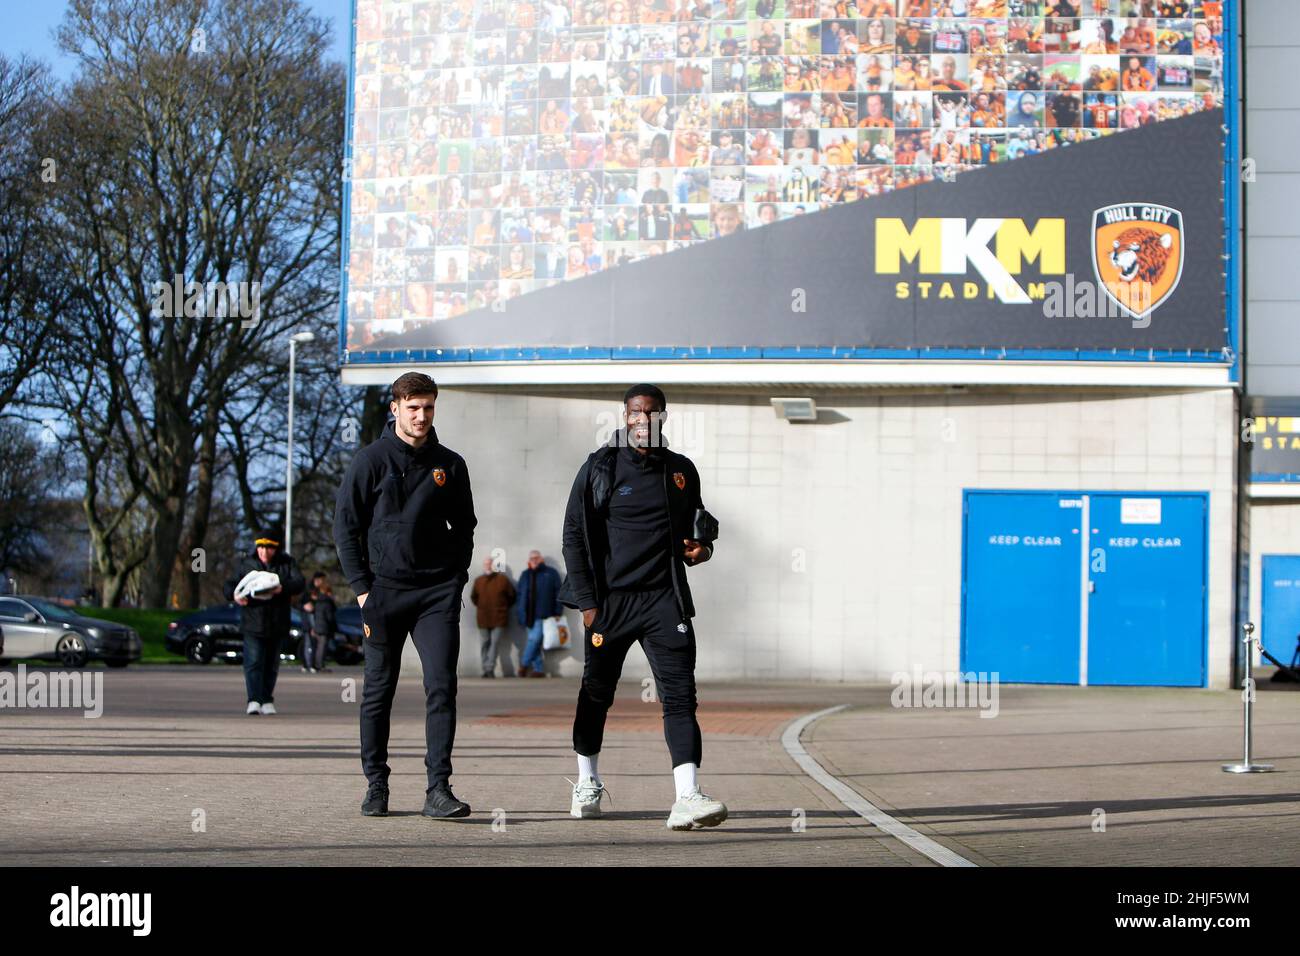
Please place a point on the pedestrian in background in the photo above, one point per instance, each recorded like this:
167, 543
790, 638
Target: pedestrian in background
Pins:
264, 617
492, 594
539, 598
322, 623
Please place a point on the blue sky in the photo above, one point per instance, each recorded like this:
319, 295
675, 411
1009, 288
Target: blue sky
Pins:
28, 26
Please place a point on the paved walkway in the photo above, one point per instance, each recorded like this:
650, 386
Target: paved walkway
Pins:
1030, 786
173, 749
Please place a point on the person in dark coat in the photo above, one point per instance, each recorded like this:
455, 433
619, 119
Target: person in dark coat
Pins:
264, 618
539, 598
322, 609
492, 595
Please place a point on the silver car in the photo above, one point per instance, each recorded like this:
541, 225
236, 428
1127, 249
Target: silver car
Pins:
40, 629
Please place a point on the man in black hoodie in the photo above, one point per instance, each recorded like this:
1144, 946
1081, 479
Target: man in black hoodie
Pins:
264, 618
628, 539
404, 530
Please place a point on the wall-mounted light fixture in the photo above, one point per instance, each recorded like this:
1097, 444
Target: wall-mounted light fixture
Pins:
795, 409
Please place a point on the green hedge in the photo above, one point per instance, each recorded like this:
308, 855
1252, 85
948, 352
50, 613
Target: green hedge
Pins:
149, 623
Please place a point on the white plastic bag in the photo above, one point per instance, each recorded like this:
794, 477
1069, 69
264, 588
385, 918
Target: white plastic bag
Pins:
555, 634
257, 585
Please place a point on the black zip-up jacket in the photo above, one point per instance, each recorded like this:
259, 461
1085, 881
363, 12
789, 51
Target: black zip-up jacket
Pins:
586, 534
270, 617
404, 516
324, 617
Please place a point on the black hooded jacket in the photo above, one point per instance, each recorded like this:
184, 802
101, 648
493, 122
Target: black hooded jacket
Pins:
269, 617
586, 530
404, 516
324, 615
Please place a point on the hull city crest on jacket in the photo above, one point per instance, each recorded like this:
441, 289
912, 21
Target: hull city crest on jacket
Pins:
439, 476
679, 480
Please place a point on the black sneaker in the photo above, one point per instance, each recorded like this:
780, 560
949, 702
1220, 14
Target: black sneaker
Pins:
376, 802
441, 802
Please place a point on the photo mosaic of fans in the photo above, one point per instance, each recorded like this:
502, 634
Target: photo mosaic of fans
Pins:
502, 146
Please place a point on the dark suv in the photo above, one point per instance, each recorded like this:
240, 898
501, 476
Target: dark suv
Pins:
214, 633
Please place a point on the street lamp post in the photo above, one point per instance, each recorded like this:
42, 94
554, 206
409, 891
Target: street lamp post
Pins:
303, 337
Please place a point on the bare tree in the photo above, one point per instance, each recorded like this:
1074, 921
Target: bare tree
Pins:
25, 286
120, 536
25, 489
196, 214
327, 433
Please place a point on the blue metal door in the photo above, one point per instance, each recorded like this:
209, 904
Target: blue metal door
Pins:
1281, 605
1146, 611
1021, 585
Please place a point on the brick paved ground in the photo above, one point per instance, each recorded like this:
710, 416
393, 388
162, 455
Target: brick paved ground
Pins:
1022, 788
123, 789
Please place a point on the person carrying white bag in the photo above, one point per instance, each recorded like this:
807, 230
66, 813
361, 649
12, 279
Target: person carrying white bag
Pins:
539, 600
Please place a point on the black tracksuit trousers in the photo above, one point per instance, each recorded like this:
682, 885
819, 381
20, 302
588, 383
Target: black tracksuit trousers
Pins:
431, 615
668, 640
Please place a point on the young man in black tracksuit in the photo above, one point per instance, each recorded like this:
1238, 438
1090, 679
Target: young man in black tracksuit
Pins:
404, 530
627, 542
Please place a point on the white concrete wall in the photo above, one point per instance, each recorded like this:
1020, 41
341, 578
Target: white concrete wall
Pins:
840, 549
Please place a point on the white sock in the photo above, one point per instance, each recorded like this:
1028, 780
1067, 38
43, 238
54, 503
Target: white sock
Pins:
587, 767
684, 777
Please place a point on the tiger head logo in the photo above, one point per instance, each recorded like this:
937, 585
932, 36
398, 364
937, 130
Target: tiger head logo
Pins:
1141, 254
1137, 253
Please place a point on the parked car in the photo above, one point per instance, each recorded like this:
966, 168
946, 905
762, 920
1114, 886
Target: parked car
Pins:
351, 631
213, 633
35, 628
348, 646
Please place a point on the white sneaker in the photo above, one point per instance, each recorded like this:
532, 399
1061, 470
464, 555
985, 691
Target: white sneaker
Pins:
586, 798
696, 810
253, 708
268, 710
